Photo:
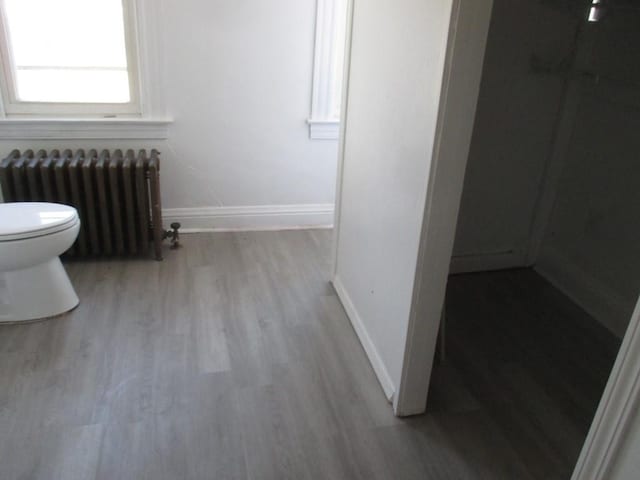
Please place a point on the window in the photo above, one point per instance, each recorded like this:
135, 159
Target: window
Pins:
331, 28
68, 57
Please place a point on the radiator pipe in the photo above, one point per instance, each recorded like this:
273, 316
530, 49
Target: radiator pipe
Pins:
174, 235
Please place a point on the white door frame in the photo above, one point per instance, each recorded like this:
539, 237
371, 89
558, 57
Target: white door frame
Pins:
621, 397
461, 82
619, 401
344, 112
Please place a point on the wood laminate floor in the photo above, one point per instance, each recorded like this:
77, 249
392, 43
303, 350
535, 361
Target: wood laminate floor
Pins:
233, 359
528, 361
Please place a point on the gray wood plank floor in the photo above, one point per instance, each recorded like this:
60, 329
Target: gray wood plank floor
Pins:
530, 360
233, 359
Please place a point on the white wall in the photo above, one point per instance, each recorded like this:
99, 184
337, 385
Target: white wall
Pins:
514, 126
236, 76
591, 250
396, 70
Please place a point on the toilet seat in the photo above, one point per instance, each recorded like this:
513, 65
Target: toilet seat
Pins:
23, 220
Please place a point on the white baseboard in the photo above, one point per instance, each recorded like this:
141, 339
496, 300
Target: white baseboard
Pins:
595, 297
261, 217
369, 348
487, 262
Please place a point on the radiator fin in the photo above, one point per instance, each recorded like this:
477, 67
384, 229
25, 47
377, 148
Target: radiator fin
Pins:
117, 195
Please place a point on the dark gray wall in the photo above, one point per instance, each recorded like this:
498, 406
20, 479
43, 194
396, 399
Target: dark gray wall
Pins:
517, 108
592, 246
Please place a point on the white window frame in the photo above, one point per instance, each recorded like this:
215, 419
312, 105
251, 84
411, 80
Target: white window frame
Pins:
13, 107
323, 124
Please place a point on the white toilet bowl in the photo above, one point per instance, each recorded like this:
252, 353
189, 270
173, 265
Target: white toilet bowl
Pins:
33, 282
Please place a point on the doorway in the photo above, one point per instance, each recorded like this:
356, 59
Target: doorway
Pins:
405, 141
544, 268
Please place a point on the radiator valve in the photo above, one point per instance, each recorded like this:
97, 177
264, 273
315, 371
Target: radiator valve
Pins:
173, 235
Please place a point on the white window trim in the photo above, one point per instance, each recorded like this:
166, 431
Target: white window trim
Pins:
322, 125
84, 128
150, 123
11, 106
149, 39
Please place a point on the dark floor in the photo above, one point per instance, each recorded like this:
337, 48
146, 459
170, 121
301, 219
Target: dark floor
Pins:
528, 361
233, 359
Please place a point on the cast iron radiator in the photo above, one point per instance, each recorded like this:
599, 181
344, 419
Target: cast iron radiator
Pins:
117, 195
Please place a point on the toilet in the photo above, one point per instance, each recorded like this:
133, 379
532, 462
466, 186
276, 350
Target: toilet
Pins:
33, 282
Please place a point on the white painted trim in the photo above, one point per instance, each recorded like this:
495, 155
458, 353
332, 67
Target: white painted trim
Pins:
462, 71
330, 15
132, 47
617, 408
324, 129
368, 346
150, 45
322, 60
261, 217
486, 262
86, 128
597, 298
343, 130
7, 73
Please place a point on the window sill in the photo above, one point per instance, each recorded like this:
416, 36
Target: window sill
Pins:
324, 129
88, 128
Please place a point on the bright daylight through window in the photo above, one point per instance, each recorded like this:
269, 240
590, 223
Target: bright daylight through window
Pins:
66, 52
